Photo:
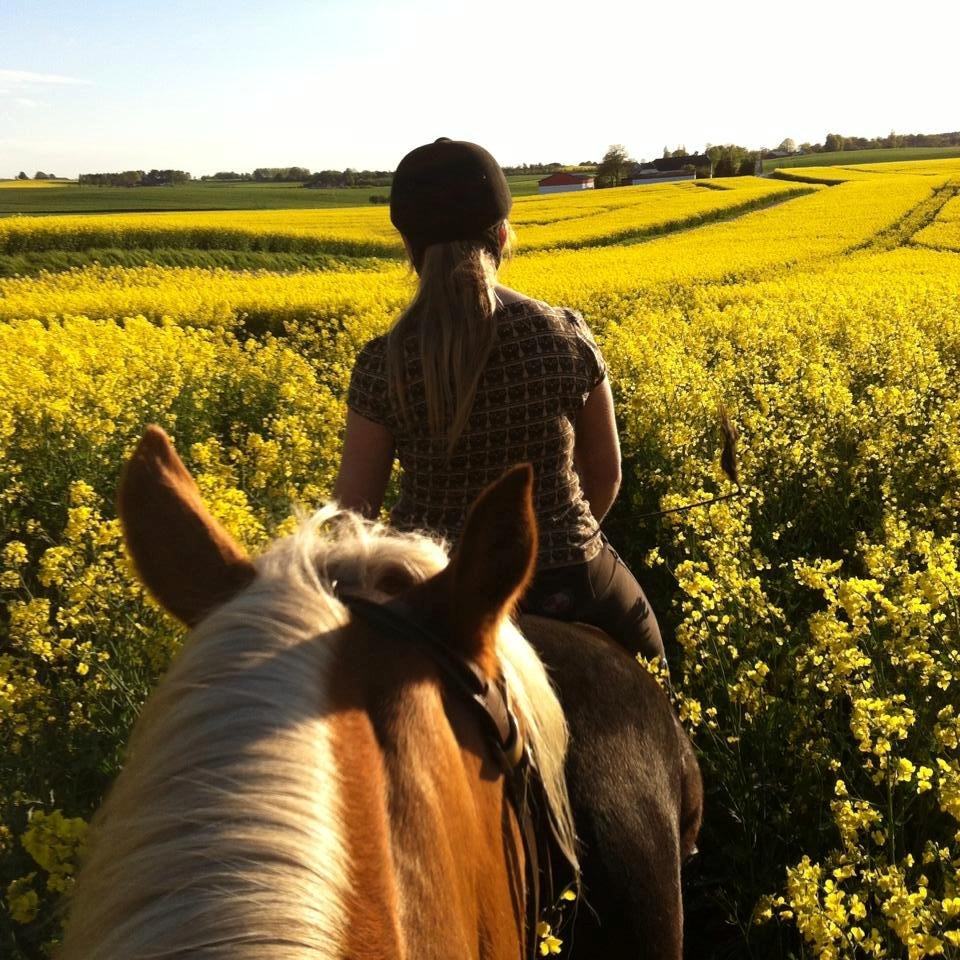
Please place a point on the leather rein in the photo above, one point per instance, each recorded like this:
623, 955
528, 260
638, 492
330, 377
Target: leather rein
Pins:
490, 704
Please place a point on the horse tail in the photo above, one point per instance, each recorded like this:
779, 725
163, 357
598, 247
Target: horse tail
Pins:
691, 795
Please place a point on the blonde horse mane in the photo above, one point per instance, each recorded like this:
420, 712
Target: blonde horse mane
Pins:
223, 834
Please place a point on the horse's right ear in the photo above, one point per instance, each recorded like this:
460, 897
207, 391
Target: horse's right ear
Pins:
184, 557
491, 566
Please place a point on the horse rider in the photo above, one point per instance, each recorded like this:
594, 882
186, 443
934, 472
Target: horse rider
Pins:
473, 377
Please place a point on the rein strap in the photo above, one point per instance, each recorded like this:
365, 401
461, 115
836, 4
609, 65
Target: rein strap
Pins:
466, 676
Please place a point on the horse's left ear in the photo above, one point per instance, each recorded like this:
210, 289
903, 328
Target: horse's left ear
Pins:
492, 563
184, 557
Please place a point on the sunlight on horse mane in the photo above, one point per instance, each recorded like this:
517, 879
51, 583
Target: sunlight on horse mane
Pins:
223, 834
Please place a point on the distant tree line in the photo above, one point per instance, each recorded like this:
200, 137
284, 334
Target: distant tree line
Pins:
228, 175
134, 178
534, 168
350, 178
321, 179
281, 174
837, 142
264, 175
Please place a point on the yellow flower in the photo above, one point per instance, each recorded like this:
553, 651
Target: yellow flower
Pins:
905, 770
22, 900
550, 945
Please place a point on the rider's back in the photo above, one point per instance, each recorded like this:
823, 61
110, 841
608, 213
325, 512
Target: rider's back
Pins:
541, 368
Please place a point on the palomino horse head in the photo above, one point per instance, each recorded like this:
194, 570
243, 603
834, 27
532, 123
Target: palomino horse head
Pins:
299, 785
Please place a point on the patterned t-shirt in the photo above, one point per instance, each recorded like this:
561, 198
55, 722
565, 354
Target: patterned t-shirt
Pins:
540, 370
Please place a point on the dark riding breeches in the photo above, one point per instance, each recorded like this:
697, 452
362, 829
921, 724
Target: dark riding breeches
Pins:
602, 592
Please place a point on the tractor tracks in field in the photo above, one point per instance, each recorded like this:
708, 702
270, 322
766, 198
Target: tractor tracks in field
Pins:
900, 233
652, 232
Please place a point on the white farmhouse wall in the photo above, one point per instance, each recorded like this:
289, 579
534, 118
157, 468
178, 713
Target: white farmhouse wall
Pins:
566, 187
671, 179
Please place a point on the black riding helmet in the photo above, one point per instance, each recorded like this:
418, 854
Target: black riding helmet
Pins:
448, 190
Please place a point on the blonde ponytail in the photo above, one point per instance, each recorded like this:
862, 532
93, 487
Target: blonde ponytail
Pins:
452, 319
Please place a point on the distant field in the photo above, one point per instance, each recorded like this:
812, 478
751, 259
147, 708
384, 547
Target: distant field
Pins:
205, 195
847, 157
934, 168
524, 186
288, 239
23, 197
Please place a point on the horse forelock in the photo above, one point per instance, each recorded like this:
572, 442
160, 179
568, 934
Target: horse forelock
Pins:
226, 832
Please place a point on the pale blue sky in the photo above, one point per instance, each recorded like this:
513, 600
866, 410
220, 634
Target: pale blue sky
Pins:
211, 85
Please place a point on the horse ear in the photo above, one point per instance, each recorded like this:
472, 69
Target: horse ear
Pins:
493, 562
184, 557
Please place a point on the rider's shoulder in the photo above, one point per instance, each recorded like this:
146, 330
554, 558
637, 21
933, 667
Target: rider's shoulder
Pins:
372, 355
559, 317
375, 345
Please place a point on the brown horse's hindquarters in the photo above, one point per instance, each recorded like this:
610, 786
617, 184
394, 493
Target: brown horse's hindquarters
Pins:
602, 592
635, 788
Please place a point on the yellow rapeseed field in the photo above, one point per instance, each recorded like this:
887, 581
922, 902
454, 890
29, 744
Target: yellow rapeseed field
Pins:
548, 221
20, 184
812, 617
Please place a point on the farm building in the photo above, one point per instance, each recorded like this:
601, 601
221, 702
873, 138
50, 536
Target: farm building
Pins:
696, 160
668, 169
561, 182
658, 176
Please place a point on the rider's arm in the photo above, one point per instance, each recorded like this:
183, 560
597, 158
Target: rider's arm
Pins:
596, 451
364, 466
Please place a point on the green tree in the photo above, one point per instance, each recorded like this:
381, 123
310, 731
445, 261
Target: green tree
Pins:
615, 161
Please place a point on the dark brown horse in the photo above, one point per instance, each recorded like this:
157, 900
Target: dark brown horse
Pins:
636, 792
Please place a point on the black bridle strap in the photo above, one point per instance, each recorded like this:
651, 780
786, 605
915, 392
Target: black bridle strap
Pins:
501, 727
464, 675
